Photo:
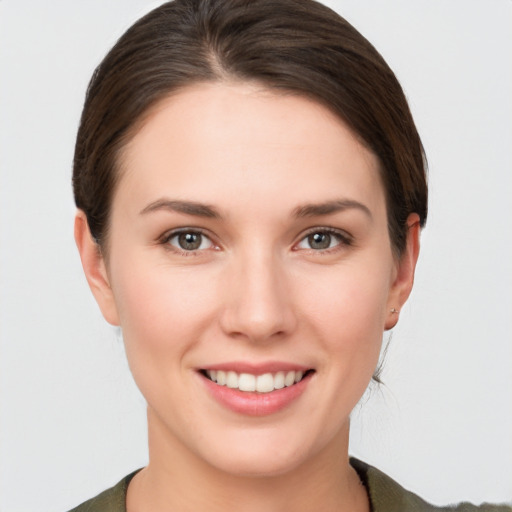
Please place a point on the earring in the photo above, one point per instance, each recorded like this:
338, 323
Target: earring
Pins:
394, 311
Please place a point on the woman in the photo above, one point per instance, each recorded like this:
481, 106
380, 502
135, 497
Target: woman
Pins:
251, 189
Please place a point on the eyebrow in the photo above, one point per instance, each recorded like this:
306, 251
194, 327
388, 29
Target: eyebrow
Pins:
329, 207
203, 210
186, 207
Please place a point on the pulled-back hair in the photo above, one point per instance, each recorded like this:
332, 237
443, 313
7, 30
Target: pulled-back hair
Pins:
297, 46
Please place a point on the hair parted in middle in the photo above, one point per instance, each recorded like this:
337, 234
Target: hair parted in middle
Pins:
288, 46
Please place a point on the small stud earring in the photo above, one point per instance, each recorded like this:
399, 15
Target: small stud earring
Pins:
393, 311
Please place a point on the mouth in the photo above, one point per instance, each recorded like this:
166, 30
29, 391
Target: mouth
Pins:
264, 383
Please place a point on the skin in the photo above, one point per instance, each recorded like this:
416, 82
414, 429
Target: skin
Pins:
256, 290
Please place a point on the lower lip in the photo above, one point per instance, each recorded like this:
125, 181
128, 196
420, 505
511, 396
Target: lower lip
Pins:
253, 403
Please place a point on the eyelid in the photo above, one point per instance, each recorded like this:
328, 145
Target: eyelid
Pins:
345, 239
169, 235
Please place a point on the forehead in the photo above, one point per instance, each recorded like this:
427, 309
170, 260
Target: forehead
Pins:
215, 140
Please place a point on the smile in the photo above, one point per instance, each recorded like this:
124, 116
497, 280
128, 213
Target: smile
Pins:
248, 382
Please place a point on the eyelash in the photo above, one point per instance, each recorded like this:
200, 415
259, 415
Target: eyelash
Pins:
343, 238
167, 237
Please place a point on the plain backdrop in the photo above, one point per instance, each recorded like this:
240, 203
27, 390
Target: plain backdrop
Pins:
72, 422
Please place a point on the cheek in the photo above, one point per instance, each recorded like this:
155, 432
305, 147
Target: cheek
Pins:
350, 298
162, 313
347, 310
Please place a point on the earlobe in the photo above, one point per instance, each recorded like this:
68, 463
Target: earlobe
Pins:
95, 269
404, 279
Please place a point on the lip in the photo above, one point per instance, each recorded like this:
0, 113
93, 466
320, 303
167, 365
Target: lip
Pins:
254, 403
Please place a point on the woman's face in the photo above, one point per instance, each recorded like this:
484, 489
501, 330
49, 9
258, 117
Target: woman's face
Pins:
249, 244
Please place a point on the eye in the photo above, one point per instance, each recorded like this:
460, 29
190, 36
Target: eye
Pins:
323, 239
189, 241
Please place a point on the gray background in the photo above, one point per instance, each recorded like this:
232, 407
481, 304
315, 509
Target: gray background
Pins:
71, 420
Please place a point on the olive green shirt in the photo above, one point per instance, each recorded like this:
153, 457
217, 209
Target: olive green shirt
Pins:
384, 493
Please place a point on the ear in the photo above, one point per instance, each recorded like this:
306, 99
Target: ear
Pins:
404, 278
95, 269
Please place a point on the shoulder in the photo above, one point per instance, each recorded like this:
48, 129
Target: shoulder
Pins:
111, 500
386, 495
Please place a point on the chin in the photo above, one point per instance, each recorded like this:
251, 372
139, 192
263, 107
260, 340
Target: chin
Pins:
262, 465
261, 453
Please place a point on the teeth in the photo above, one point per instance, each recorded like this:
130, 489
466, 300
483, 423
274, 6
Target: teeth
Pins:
261, 383
279, 380
221, 378
289, 379
265, 383
232, 380
247, 382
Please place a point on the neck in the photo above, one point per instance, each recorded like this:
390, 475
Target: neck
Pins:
178, 480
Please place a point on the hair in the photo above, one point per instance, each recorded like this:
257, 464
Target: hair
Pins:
293, 46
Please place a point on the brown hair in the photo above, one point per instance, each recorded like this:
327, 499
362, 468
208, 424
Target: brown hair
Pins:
299, 46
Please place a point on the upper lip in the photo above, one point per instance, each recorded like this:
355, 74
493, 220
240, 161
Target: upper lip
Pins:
257, 368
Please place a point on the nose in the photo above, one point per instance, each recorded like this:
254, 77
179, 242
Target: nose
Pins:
257, 306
